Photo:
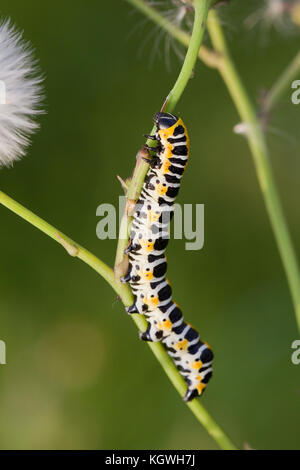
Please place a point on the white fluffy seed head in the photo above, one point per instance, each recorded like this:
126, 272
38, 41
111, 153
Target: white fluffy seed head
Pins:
283, 15
20, 94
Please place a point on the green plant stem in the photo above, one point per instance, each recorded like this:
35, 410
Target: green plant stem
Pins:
221, 60
284, 81
257, 143
74, 249
134, 189
193, 43
184, 38
132, 195
201, 12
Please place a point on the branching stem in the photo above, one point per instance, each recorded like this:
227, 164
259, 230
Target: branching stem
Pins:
123, 291
258, 146
222, 60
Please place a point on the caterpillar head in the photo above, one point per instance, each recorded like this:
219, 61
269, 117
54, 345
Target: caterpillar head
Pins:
165, 120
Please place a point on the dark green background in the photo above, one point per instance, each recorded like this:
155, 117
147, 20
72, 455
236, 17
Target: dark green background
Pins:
77, 376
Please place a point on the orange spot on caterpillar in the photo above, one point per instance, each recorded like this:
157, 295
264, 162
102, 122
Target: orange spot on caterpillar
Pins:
152, 302
182, 345
152, 217
146, 245
200, 387
168, 153
165, 325
165, 167
197, 364
161, 190
145, 275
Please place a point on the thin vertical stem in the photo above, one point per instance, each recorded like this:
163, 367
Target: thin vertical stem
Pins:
258, 147
140, 171
221, 60
201, 12
124, 292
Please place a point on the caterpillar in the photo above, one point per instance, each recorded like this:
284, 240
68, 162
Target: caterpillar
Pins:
149, 236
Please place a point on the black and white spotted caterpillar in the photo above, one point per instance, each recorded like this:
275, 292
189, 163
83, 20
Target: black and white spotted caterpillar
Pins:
147, 260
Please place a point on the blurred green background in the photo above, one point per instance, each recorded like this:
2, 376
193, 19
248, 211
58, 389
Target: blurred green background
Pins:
76, 375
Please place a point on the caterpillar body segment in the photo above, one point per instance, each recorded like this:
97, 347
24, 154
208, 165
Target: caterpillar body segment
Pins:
147, 261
